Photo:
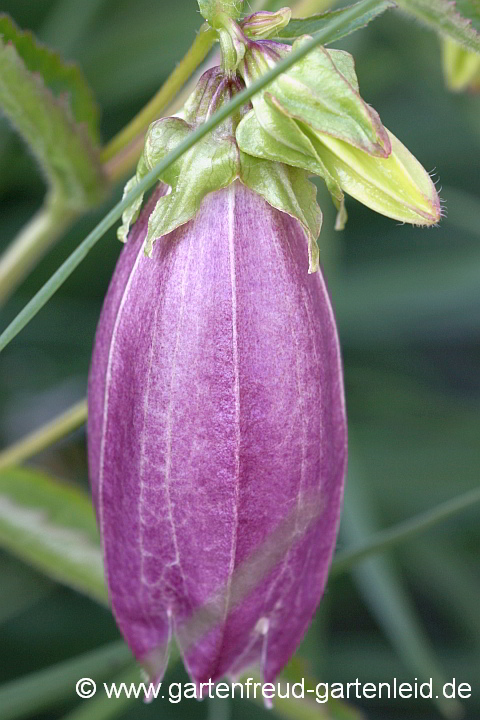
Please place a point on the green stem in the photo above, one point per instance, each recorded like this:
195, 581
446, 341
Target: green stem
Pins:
385, 539
197, 53
30, 695
66, 269
45, 436
32, 242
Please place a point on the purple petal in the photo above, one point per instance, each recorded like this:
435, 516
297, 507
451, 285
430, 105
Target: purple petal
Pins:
217, 438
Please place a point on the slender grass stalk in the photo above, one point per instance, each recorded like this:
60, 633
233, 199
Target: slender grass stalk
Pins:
153, 110
66, 269
45, 436
385, 539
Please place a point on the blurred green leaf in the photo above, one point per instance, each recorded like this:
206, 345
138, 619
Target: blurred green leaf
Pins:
62, 135
385, 595
449, 579
313, 24
455, 20
63, 79
31, 694
421, 295
51, 525
20, 589
297, 671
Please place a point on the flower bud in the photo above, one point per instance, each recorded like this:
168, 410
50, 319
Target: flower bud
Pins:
263, 24
217, 437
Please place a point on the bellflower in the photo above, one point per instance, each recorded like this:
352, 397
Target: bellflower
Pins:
217, 431
216, 425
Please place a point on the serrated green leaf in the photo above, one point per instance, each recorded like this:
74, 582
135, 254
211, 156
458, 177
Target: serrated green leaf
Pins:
61, 140
458, 21
62, 78
51, 526
470, 9
313, 24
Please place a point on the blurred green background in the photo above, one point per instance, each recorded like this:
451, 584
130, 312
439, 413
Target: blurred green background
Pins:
408, 310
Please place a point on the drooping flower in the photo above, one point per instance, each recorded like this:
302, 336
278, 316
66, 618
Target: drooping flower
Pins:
217, 430
217, 438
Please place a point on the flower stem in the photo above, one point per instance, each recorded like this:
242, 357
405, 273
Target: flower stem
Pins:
385, 539
45, 436
197, 53
32, 242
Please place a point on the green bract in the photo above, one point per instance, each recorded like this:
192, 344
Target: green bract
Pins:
309, 120
214, 163
314, 118
461, 67
211, 8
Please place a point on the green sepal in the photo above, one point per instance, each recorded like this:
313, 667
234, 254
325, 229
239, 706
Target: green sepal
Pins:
210, 165
213, 163
288, 189
232, 42
321, 90
461, 68
130, 215
253, 140
396, 186
211, 8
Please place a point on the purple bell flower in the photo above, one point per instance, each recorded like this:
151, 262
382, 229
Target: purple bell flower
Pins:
217, 438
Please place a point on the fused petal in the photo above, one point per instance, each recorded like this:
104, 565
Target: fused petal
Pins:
217, 438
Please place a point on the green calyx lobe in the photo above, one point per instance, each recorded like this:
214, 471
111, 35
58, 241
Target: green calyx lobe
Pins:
211, 8
292, 117
214, 163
